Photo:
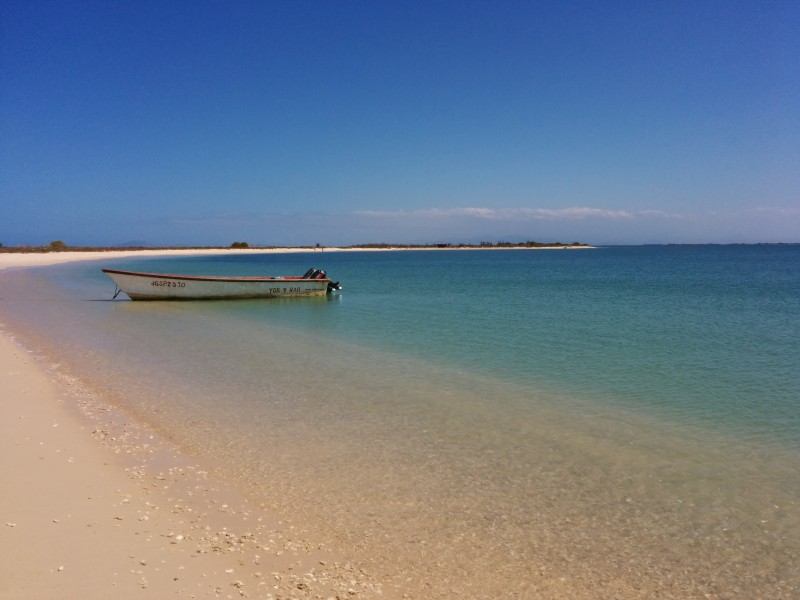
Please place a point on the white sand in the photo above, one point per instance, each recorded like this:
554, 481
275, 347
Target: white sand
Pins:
40, 259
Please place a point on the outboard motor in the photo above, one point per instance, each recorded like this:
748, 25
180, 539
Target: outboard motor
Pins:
313, 273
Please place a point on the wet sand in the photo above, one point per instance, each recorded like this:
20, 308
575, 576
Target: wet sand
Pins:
95, 506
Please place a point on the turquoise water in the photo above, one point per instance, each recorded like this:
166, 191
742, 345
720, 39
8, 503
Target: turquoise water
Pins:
702, 333
578, 422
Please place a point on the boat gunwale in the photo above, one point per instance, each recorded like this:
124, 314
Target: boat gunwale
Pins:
217, 278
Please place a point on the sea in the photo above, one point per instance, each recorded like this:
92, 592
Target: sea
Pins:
613, 422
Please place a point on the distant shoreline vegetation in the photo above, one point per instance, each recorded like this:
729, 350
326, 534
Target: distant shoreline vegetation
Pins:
528, 244
60, 246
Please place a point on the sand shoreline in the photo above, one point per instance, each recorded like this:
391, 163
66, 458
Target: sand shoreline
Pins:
96, 505
10, 260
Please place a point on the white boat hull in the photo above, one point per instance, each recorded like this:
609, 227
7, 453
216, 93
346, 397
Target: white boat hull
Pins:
157, 286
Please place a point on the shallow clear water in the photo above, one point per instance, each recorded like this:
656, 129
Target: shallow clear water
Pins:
617, 422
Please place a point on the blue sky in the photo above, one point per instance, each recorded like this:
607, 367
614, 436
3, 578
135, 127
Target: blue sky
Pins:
346, 122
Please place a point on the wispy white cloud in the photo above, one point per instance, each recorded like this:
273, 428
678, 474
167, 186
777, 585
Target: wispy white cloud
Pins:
589, 224
773, 210
509, 214
442, 214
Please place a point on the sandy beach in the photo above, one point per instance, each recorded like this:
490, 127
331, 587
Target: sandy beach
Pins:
94, 505
40, 259
10, 260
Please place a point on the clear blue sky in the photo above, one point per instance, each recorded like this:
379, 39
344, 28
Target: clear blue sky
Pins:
343, 122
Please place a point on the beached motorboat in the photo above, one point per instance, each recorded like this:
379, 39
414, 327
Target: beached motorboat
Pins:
160, 286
